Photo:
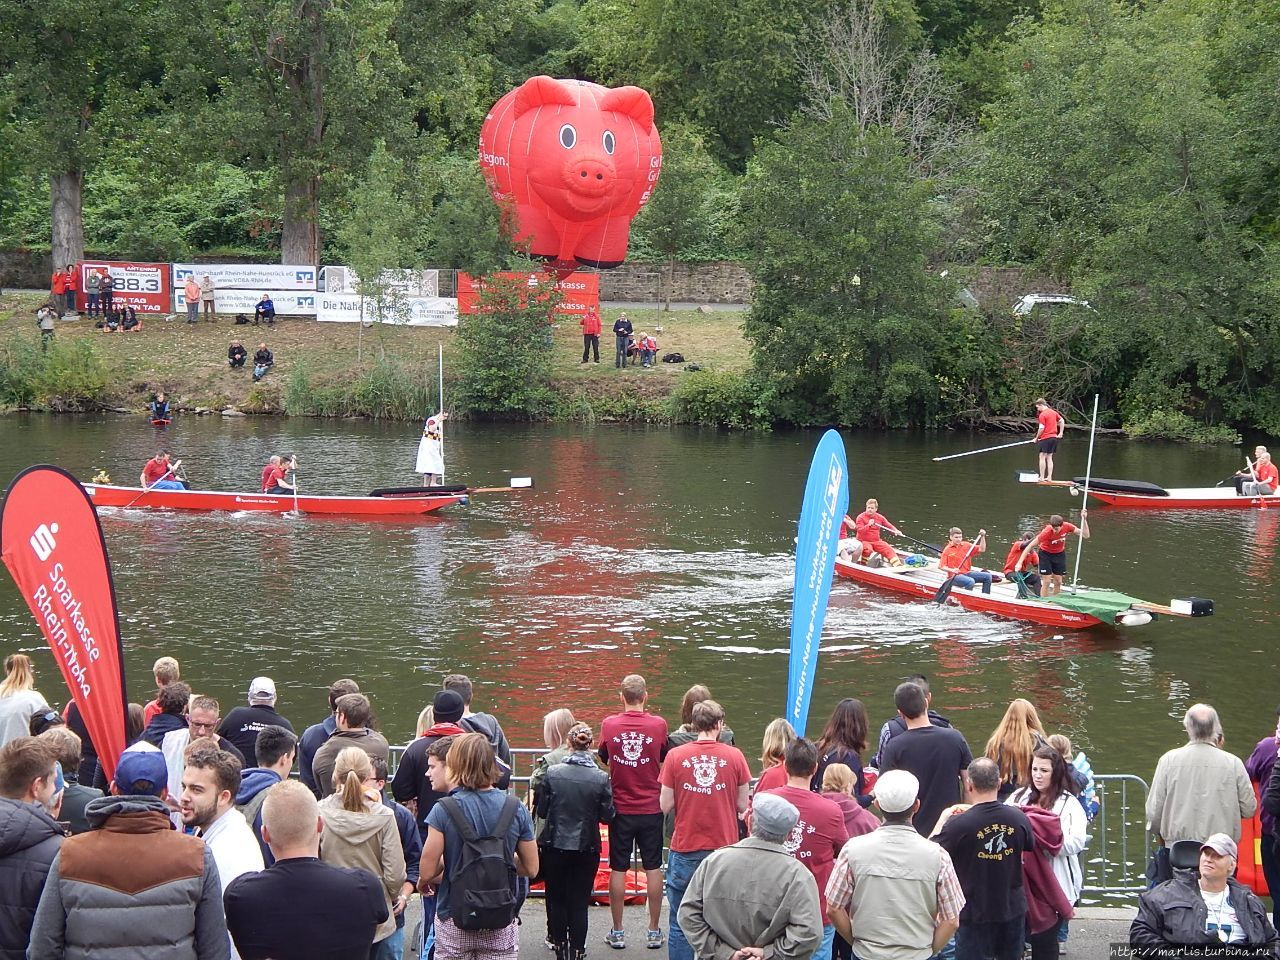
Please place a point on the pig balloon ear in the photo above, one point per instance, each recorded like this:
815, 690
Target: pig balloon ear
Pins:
543, 92
631, 101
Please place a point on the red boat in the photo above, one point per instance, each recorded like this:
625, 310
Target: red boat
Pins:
391, 504
1139, 495
923, 583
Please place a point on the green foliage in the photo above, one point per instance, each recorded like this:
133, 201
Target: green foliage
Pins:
461, 229
1162, 424
70, 375
386, 389
504, 366
723, 399
846, 317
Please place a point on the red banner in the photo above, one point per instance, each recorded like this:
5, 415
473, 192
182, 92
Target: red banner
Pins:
579, 292
52, 544
143, 286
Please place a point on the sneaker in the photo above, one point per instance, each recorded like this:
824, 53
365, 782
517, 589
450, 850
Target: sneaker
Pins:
655, 940
616, 939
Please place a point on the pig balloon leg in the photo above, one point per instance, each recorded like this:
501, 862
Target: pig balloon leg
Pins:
538, 232
604, 245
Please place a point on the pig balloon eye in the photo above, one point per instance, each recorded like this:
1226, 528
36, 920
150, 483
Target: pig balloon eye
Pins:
609, 142
568, 136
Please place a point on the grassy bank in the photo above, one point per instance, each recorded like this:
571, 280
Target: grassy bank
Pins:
334, 369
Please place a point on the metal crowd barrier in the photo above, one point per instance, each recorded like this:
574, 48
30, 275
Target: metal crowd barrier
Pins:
1114, 862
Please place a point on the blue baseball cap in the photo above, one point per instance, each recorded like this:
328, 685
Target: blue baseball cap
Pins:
142, 771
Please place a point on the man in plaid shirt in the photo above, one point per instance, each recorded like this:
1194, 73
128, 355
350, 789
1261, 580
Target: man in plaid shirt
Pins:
893, 894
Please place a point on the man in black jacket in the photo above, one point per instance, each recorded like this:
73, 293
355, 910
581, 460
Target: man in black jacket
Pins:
236, 355
484, 723
30, 837
263, 360
621, 340
1210, 908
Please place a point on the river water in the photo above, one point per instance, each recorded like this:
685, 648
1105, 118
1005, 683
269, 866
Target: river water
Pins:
660, 551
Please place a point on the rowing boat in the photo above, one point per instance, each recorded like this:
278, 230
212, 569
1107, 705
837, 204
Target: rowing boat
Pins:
1078, 611
399, 504
1140, 495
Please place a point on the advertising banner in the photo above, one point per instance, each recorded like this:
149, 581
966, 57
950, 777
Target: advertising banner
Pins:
53, 546
409, 311
261, 277
580, 292
826, 498
410, 283
143, 286
288, 303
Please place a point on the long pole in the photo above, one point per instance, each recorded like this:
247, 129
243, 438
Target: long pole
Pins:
440, 358
1084, 503
1003, 446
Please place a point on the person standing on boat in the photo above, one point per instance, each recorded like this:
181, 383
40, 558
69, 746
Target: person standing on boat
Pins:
1052, 544
431, 450
957, 559
1030, 579
1049, 429
869, 523
1262, 480
159, 474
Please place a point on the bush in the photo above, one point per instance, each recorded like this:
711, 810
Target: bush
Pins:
70, 375
735, 400
386, 389
1163, 424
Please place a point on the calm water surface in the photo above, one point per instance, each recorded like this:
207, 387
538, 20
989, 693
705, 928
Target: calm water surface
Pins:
662, 551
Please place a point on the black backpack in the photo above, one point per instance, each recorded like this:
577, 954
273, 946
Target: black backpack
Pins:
482, 882
673, 358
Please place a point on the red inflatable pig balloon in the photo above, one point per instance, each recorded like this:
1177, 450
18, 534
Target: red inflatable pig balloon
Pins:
570, 163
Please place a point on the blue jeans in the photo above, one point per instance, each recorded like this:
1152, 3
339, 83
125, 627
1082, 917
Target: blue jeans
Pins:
680, 868
967, 580
92, 308
167, 485
828, 937
390, 948
620, 350
193, 311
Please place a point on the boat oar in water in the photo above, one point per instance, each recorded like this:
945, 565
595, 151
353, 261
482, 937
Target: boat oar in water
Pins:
971, 453
944, 591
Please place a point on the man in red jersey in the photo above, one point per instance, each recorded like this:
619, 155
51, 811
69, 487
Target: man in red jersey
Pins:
706, 783
1263, 480
1049, 429
1052, 543
957, 560
270, 472
819, 834
1029, 581
869, 523
633, 743
158, 473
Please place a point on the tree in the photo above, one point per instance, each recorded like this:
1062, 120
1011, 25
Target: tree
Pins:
837, 228
681, 219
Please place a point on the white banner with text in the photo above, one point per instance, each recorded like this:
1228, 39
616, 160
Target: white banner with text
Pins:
409, 311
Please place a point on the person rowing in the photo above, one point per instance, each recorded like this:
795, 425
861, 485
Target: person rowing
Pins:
269, 473
1261, 480
1052, 545
160, 407
159, 473
1029, 582
275, 477
1050, 426
957, 560
868, 525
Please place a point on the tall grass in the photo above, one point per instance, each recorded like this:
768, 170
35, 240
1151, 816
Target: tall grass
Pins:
385, 389
69, 375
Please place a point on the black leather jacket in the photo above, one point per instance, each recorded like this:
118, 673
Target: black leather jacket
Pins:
1175, 913
575, 799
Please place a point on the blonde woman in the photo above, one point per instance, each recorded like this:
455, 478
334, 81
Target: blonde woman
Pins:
777, 735
360, 831
472, 765
1015, 739
555, 728
426, 720
19, 701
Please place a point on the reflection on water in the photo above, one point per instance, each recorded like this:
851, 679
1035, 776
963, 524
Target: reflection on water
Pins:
666, 552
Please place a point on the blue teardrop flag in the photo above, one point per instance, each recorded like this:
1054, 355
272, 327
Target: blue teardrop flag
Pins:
826, 499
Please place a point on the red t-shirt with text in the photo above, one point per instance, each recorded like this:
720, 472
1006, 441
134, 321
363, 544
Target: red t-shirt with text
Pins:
1049, 423
632, 743
706, 776
817, 837
1011, 561
1051, 542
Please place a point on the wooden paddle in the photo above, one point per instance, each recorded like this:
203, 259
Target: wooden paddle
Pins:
944, 591
918, 543
1003, 446
296, 511
151, 486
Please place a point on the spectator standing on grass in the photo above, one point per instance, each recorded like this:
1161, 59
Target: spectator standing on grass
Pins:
621, 340
73, 288
191, 294
591, 334
45, 318
107, 289
633, 744
301, 908
893, 894
58, 286
752, 900
92, 283
206, 297
1198, 789
316, 735
263, 360
707, 784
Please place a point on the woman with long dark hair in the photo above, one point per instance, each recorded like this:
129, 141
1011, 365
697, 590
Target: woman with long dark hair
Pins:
575, 798
842, 741
1052, 790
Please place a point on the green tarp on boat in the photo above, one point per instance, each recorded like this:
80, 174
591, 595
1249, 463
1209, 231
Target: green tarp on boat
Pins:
1103, 604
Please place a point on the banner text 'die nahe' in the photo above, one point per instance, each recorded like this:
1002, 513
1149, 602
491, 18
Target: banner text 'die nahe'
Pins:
53, 546
826, 498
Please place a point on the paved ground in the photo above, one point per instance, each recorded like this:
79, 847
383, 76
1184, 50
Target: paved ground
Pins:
1092, 933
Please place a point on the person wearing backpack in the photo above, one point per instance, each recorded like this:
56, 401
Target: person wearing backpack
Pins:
478, 840
575, 798
275, 748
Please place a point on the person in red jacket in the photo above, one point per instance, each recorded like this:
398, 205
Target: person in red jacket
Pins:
58, 284
71, 284
869, 523
591, 334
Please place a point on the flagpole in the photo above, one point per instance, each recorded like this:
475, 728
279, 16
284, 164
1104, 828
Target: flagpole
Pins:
1084, 503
